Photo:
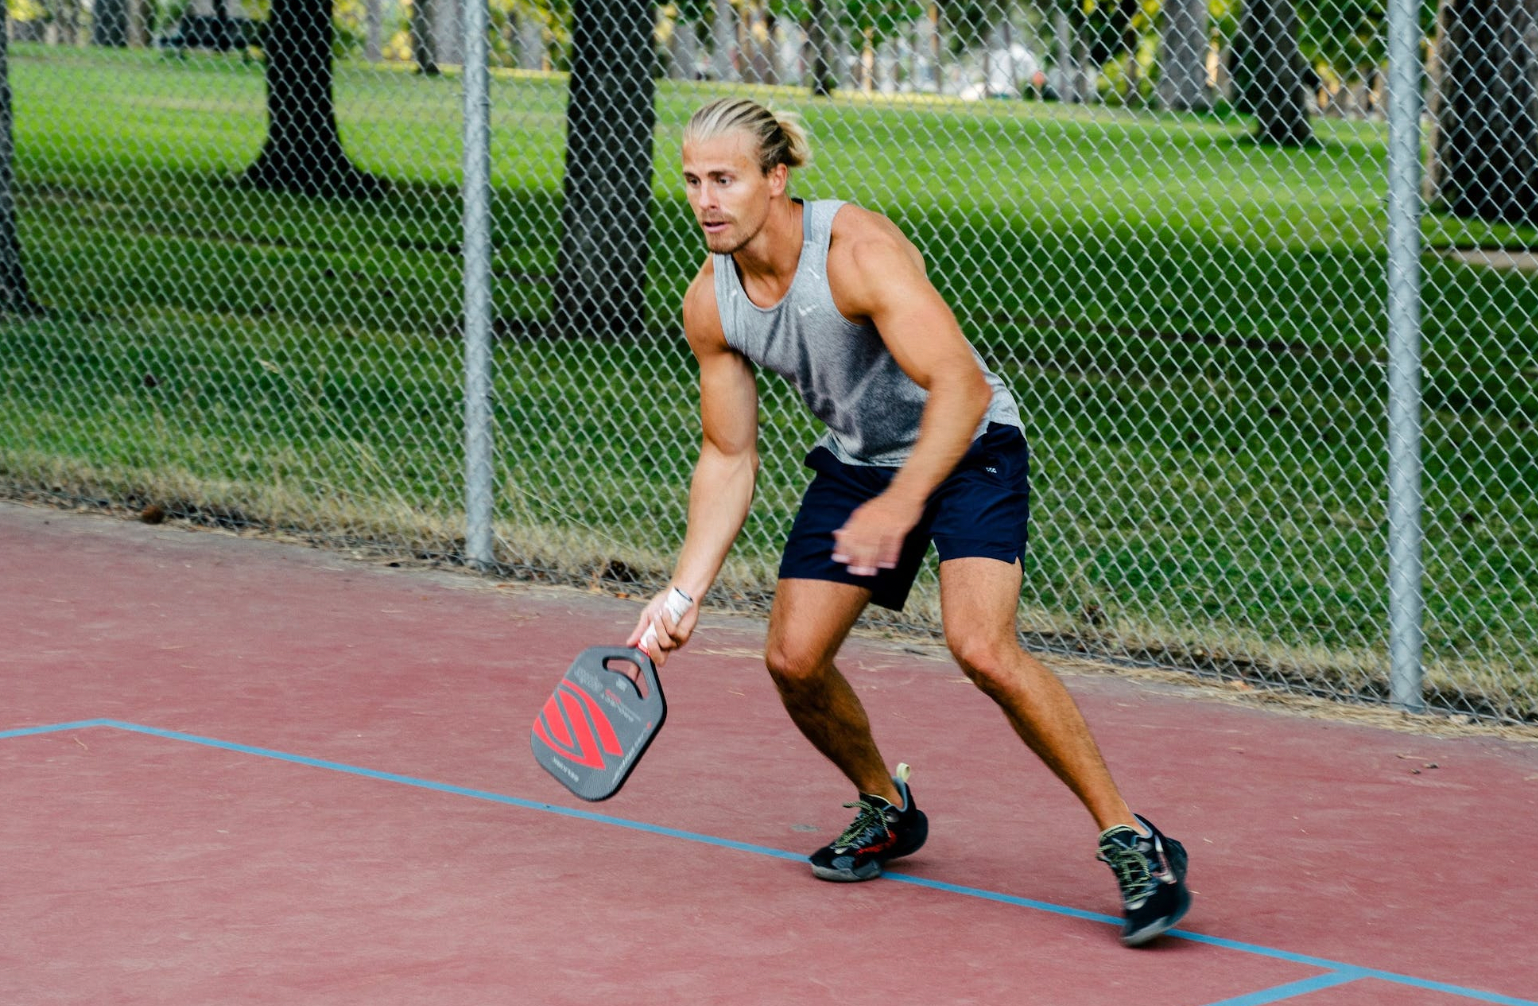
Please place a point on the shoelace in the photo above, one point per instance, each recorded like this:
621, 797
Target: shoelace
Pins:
871, 818
1132, 871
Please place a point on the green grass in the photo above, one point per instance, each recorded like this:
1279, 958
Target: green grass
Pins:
1193, 325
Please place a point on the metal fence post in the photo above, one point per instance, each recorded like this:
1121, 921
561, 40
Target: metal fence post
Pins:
1405, 572
477, 265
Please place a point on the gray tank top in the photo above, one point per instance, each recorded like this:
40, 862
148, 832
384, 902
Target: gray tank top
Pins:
844, 372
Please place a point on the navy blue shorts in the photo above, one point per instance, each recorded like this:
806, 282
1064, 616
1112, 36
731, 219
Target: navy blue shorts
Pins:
981, 509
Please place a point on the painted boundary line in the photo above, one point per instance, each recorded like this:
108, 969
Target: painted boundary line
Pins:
1336, 972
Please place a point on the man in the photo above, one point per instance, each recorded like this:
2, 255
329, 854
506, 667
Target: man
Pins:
923, 444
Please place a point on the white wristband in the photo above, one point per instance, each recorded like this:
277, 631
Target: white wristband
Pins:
676, 605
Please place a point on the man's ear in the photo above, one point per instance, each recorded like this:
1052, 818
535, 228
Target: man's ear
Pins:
779, 177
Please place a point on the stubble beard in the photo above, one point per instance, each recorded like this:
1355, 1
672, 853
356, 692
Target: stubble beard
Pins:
725, 244
732, 241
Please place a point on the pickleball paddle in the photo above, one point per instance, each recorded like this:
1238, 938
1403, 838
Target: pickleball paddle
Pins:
594, 728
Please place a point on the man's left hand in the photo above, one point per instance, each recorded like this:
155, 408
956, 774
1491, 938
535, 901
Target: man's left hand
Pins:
872, 538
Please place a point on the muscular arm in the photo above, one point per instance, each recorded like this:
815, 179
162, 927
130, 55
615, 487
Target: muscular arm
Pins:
876, 273
721, 490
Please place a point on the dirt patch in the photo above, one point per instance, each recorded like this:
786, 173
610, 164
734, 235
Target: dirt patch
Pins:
1520, 259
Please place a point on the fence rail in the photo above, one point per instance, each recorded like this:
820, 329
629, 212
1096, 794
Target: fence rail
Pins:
1168, 235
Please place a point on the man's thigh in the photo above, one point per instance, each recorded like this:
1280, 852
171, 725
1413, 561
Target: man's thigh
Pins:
983, 508
979, 598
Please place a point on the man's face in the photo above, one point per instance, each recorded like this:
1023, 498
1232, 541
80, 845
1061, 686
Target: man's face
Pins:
727, 191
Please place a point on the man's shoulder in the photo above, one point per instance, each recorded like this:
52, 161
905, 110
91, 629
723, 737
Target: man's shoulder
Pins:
851, 221
700, 316
702, 288
865, 244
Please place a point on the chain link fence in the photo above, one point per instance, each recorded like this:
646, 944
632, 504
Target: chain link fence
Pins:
236, 291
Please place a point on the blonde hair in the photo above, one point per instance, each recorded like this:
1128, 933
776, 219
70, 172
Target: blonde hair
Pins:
780, 136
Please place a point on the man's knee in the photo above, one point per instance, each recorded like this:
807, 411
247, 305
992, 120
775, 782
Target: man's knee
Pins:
989, 660
792, 667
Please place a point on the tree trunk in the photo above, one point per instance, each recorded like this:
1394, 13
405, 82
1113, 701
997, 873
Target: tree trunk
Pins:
867, 61
723, 36
823, 80
424, 37
109, 23
1183, 57
926, 49
14, 296
683, 51
65, 22
303, 152
531, 42
1268, 73
600, 287
1127, 13
448, 36
773, 28
138, 23
1485, 147
373, 30
1074, 83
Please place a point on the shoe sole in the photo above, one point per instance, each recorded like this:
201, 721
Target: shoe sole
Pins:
871, 870
1156, 929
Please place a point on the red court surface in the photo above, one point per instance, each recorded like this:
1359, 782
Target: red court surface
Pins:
239, 771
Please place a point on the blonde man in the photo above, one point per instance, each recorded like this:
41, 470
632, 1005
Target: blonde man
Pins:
923, 444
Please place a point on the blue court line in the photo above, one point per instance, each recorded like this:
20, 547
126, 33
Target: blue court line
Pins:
1293, 989
55, 728
1338, 972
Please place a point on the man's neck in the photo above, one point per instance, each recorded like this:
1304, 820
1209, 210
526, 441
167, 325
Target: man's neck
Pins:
769, 261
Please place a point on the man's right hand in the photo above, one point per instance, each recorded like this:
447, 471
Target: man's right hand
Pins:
670, 634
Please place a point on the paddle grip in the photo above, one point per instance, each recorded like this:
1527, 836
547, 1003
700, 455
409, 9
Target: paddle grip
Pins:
677, 604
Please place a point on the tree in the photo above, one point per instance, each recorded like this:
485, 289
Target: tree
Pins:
723, 36
1348, 37
424, 38
1484, 161
600, 287
1127, 17
14, 295
303, 151
1183, 56
1269, 73
1072, 83
814, 18
824, 80
65, 20
109, 23
874, 22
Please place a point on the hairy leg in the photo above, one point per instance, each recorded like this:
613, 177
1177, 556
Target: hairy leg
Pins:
978, 600
807, 625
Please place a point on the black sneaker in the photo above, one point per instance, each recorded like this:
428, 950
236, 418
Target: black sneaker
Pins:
1151, 870
879, 832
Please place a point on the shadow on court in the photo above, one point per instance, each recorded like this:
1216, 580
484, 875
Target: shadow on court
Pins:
237, 771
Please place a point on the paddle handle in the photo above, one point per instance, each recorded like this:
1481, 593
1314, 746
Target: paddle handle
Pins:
676, 605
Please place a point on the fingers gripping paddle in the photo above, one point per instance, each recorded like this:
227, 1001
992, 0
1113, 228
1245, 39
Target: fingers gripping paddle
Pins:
598, 723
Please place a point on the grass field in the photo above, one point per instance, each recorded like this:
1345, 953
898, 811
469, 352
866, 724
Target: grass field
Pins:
1193, 324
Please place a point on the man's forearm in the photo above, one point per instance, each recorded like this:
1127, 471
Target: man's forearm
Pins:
956, 405
720, 495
